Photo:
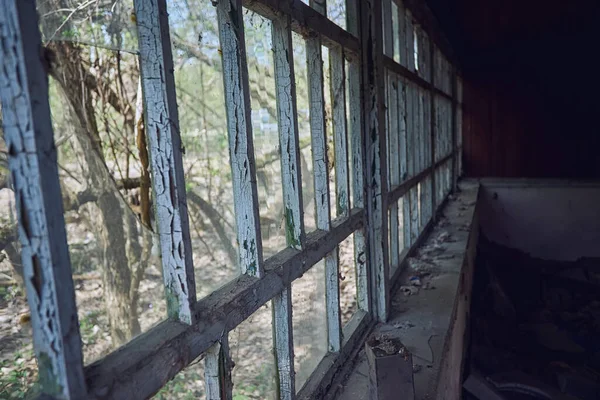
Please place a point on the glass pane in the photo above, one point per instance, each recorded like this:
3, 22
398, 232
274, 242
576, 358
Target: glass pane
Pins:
186, 385
400, 232
96, 110
396, 32
261, 73
309, 322
329, 132
203, 128
302, 105
348, 302
251, 349
336, 11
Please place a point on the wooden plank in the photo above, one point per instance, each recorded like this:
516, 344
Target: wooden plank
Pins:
394, 164
32, 162
217, 371
153, 358
285, 89
164, 142
239, 128
413, 77
373, 95
306, 21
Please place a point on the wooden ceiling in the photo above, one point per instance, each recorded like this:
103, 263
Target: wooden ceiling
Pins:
487, 25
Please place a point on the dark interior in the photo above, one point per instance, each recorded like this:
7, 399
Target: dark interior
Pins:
531, 85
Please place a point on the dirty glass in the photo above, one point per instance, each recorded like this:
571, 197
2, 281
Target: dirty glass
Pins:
96, 108
202, 124
347, 277
304, 135
309, 321
259, 49
251, 350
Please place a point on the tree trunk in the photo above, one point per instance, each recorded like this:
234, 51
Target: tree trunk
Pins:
70, 73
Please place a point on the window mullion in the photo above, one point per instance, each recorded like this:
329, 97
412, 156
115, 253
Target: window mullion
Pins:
165, 150
32, 161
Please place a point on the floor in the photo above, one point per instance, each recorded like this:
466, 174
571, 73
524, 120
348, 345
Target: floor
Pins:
422, 303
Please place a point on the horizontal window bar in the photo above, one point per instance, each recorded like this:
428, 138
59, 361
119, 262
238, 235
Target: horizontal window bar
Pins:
141, 367
395, 193
306, 21
401, 70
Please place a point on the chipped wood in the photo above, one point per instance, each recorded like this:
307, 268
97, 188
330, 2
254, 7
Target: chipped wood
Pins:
165, 147
32, 161
285, 88
374, 112
356, 133
153, 358
239, 128
393, 164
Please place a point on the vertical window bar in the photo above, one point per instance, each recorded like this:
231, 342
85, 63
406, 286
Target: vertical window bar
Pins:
239, 128
413, 158
243, 169
285, 88
388, 29
402, 33
164, 142
410, 40
373, 85
394, 164
404, 154
32, 162
217, 371
358, 159
432, 77
315, 65
454, 131
340, 133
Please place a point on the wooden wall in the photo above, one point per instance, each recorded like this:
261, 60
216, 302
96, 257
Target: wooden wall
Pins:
531, 88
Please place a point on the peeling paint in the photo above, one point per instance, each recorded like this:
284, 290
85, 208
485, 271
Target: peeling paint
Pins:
164, 143
32, 162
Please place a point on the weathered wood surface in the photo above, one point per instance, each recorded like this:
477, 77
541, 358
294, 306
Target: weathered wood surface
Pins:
284, 344
165, 147
239, 128
141, 367
321, 178
217, 371
393, 164
306, 21
390, 369
356, 133
285, 89
32, 162
287, 121
374, 112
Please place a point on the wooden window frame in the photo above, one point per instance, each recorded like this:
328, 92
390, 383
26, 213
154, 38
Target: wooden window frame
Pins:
393, 126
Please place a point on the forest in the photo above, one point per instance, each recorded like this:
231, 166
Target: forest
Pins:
91, 47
